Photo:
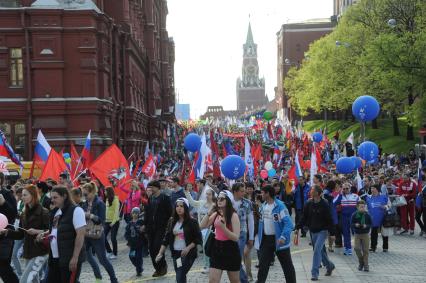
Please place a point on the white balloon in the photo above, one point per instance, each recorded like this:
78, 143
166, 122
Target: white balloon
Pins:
268, 165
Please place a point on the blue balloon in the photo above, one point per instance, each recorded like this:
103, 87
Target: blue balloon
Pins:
317, 137
233, 167
66, 155
368, 151
365, 108
345, 165
357, 161
192, 142
272, 172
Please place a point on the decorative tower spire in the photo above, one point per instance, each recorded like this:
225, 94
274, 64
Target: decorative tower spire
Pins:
249, 39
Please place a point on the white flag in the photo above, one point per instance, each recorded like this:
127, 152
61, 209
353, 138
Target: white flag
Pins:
314, 167
248, 158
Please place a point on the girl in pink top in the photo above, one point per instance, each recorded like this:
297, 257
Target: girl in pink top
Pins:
133, 200
225, 254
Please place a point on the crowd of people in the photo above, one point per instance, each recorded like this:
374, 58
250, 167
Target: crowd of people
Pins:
55, 226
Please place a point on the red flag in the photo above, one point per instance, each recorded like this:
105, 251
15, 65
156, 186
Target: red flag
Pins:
138, 163
149, 167
112, 164
55, 165
74, 160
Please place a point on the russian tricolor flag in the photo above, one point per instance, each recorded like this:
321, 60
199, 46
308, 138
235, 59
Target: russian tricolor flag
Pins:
41, 152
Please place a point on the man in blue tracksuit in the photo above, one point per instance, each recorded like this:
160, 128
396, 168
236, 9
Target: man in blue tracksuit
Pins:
348, 202
301, 196
275, 227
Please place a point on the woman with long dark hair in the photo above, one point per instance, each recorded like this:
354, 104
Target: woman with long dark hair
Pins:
183, 235
33, 221
225, 253
112, 221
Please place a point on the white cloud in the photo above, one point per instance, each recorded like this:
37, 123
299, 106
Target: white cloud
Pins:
209, 35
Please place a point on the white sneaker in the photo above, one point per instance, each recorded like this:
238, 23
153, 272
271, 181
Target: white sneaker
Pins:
205, 270
112, 256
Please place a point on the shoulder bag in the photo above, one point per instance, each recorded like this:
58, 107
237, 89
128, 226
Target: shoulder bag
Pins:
209, 245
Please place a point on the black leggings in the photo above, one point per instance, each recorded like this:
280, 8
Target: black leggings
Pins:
419, 214
375, 235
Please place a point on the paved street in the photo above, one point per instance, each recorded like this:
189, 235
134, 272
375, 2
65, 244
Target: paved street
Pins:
405, 262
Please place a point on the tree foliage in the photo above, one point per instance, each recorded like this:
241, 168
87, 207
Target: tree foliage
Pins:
367, 54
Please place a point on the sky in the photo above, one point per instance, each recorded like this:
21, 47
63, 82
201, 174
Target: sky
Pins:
209, 37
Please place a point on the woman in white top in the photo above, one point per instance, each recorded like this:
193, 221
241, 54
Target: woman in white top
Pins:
203, 207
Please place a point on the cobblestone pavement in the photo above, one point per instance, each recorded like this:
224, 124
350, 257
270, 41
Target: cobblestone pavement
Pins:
405, 262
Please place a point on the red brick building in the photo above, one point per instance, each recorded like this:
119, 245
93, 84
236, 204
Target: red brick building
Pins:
68, 67
293, 41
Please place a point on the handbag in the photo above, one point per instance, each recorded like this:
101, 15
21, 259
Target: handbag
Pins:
391, 219
399, 201
94, 231
209, 245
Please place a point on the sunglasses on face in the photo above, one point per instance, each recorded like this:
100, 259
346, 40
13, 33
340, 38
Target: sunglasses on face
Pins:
221, 198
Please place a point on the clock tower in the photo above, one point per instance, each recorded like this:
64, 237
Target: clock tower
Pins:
250, 88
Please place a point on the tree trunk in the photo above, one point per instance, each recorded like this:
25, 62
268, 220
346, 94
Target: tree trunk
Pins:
395, 125
374, 124
410, 129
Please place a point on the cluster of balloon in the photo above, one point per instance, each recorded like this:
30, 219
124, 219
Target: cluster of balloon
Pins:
368, 151
365, 108
67, 158
317, 137
233, 167
267, 115
192, 142
269, 170
345, 165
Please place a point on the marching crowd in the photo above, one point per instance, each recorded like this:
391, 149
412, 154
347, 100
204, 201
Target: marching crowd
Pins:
56, 226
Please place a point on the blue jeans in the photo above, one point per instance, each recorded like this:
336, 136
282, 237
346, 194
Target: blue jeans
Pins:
187, 263
100, 251
242, 241
15, 259
320, 254
135, 256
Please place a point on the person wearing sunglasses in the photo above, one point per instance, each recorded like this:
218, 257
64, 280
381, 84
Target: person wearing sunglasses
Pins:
225, 253
348, 201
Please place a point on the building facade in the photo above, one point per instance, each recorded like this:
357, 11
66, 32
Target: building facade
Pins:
68, 66
340, 6
293, 41
250, 88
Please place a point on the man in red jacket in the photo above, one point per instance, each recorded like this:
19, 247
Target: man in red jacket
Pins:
408, 189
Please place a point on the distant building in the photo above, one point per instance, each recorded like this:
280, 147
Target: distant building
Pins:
183, 112
250, 88
293, 41
214, 112
340, 6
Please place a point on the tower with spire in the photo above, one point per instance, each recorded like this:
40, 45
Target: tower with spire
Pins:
250, 88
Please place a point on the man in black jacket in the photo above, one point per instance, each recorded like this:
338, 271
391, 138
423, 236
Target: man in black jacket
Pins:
158, 212
317, 217
9, 209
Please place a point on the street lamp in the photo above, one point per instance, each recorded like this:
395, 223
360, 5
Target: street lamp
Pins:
345, 44
392, 23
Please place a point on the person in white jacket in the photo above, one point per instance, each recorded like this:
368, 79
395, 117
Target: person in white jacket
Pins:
203, 206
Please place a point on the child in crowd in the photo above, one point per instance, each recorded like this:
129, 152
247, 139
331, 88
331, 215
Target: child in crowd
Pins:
134, 235
361, 225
